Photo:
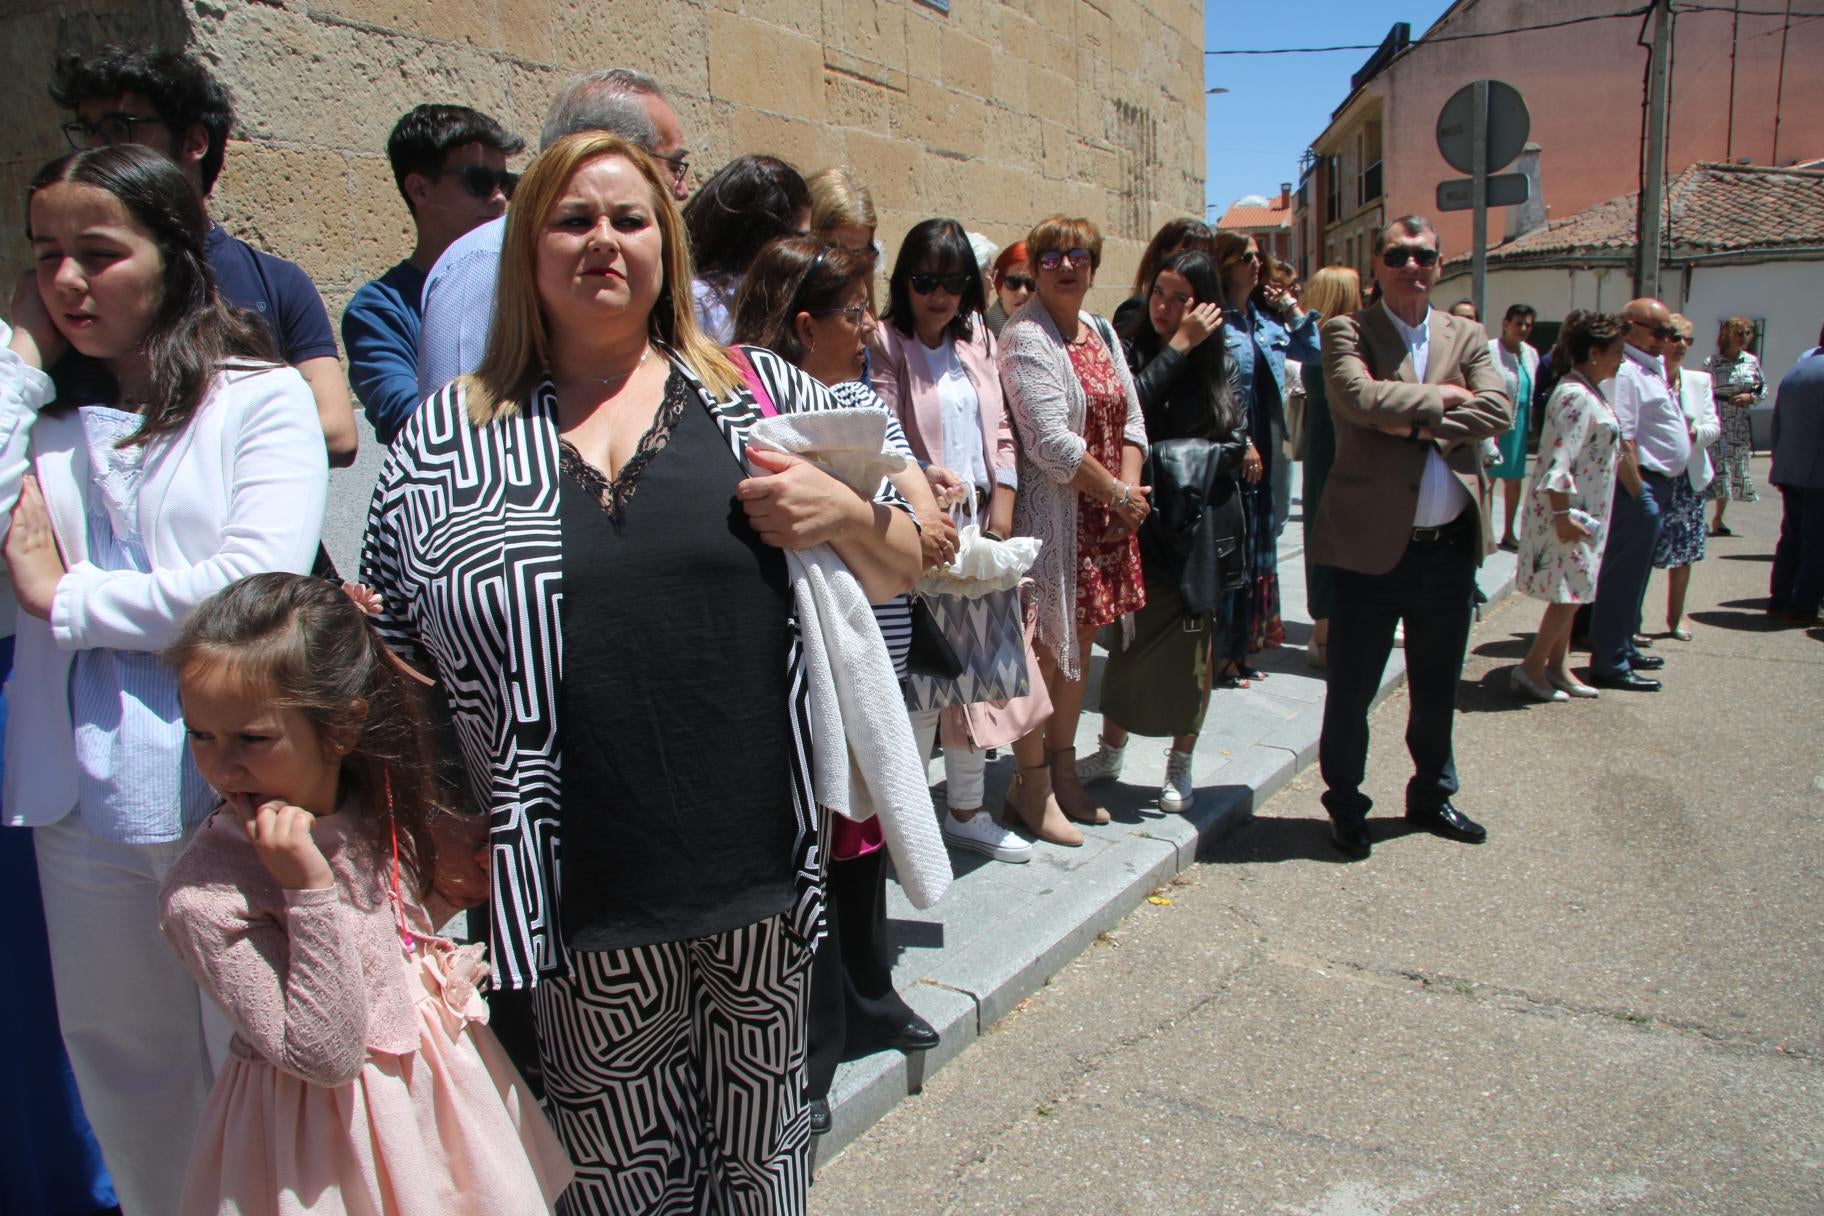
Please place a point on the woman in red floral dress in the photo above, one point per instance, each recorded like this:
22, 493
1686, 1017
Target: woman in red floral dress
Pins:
1082, 441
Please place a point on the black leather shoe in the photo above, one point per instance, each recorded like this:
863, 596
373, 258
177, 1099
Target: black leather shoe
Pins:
820, 1116
1627, 681
1351, 840
1447, 821
1647, 662
915, 1035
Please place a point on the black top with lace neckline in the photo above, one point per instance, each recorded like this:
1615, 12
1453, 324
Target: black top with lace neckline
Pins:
613, 493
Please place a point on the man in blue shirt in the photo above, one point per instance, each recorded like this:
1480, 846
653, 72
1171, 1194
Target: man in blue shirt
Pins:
168, 101
459, 291
450, 163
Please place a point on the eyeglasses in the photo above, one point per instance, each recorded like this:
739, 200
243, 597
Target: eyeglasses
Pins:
1665, 333
1051, 259
1685, 339
1396, 256
1019, 282
680, 166
855, 314
111, 130
1252, 256
481, 181
953, 284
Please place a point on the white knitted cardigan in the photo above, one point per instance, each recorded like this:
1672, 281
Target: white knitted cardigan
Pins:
1048, 407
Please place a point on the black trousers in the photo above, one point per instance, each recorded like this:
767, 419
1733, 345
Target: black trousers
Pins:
853, 1002
1432, 590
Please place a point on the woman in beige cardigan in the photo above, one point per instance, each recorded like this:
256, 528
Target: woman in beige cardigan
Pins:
1082, 440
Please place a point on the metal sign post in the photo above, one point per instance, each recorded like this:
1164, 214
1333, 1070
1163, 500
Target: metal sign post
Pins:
1478, 196
1482, 128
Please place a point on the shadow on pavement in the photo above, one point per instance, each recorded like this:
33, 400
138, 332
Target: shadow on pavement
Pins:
1268, 840
1514, 646
1492, 694
1757, 621
1746, 557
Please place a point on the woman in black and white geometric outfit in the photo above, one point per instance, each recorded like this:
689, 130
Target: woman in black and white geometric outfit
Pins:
580, 544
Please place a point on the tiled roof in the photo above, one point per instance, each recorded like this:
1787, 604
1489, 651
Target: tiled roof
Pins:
1710, 209
1252, 219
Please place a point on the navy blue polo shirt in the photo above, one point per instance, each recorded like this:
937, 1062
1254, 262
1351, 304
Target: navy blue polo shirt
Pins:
279, 291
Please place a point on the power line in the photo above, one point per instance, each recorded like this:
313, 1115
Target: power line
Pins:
1375, 46
1742, 12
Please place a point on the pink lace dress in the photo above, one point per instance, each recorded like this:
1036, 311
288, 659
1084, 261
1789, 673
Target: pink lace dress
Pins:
362, 1077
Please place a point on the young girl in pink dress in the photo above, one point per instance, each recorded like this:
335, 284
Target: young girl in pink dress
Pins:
362, 1078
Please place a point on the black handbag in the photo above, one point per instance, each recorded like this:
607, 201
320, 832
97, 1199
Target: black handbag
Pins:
930, 653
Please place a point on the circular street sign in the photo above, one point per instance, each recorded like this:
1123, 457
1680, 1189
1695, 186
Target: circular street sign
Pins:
1508, 126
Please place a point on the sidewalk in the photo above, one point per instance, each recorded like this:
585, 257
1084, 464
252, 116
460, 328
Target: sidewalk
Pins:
1003, 930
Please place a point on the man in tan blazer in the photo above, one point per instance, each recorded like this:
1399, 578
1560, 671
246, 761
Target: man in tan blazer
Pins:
1413, 392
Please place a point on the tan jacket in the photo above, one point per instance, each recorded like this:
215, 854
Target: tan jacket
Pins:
1365, 519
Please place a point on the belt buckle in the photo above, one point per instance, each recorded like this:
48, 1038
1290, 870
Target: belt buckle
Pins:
1427, 534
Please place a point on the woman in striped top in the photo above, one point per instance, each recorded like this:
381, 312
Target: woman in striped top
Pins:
808, 302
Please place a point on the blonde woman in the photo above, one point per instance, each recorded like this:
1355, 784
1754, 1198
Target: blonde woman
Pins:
1737, 386
842, 212
598, 460
1681, 531
1334, 291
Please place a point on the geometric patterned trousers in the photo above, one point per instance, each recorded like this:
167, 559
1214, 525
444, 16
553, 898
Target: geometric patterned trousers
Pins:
674, 1075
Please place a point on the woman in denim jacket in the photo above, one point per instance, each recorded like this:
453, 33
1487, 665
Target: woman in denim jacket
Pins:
1262, 331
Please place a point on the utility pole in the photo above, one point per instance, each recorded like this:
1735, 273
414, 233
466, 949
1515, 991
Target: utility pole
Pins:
1653, 186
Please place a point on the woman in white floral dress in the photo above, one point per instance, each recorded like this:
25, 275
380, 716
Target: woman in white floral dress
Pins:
1736, 381
1567, 504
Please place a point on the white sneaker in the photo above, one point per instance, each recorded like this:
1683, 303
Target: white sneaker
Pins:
981, 834
1177, 793
1103, 765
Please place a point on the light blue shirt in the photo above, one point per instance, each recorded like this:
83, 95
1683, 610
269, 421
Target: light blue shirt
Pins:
135, 780
459, 306
1441, 496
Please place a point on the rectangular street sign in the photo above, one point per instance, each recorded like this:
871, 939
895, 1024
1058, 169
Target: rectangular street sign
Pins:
1504, 190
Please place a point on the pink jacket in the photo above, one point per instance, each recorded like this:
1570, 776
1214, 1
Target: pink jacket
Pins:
312, 981
912, 397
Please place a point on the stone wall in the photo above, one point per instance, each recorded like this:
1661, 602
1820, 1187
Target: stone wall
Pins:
996, 113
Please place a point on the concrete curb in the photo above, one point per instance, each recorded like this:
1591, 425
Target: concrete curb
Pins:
969, 990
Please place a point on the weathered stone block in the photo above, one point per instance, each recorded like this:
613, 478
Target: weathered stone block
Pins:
889, 168
935, 117
858, 104
764, 67
968, 64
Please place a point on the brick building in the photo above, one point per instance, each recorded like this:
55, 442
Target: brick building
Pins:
1267, 220
1744, 90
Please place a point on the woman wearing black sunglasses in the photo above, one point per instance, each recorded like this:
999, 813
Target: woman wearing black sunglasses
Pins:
1263, 329
1082, 441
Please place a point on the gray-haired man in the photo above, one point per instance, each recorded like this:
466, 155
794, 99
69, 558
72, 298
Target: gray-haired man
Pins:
459, 291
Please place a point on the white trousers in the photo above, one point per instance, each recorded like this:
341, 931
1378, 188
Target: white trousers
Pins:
965, 771
143, 1040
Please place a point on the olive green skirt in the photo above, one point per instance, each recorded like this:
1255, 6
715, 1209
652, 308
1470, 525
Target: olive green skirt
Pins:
1154, 684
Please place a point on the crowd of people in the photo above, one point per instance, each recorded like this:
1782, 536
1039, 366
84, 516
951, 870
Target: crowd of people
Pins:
621, 669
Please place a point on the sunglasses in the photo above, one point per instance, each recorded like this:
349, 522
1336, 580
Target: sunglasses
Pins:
1019, 282
855, 314
1051, 259
1665, 333
953, 284
481, 181
1396, 256
111, 130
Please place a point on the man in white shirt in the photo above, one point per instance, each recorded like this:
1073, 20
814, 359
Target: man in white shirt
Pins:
1413, 392
1655, 449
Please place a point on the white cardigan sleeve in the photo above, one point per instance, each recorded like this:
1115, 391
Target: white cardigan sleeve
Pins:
24, 390
1033, 365
277, 485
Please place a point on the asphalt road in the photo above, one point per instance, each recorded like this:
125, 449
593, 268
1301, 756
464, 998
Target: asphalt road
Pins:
1612, 1006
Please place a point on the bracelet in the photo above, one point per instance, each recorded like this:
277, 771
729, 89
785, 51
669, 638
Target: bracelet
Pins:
1123, 498
1561, 514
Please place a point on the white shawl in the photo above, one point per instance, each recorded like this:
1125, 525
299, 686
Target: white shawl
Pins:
854, 693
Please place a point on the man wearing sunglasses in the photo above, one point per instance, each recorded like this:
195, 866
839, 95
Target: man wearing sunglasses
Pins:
1655, 447
450, 164
459, 291
168, 101
1413, 392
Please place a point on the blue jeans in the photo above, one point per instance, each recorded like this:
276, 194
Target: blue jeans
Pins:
1627, 564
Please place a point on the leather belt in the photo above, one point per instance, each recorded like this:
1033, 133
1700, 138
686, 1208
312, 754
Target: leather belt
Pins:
1426, 536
